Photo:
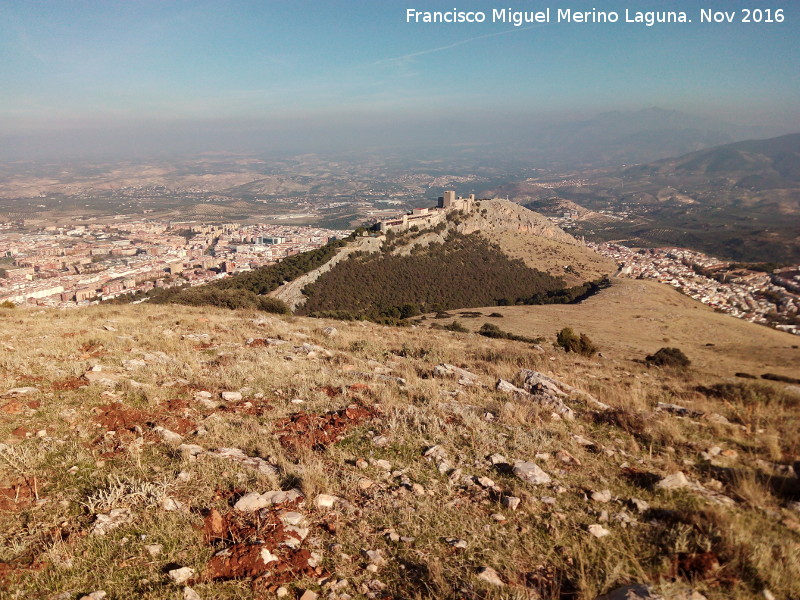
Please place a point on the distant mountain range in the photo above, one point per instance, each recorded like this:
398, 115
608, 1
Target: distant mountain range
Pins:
755, 165
620, 138
739, 200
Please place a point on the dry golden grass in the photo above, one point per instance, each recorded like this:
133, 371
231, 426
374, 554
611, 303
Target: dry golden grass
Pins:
553, 256
542, 549
635, 318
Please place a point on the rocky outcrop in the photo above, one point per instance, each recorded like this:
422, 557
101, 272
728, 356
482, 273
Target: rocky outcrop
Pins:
503, 215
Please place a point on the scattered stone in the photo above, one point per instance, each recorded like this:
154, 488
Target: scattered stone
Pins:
381, 441
364, 484
602, 496
293, 518
489, 575
237, 455
190, 451
530, 472
181, 575
325, 501
111, 520
133, 364
537, 382
172, 505
190, 594
98, 595
567, 458
254, 501
717, 418
673, 482
170, 437
330, 331
309, 595
583, 441
632, 592
498, 459
231, 396
282, 592
535, 390
21, 391
464, 377
456, 542
510, 502
640, 505
598, 531
153, 549
485, 482
374, 557
381, 464
435, 452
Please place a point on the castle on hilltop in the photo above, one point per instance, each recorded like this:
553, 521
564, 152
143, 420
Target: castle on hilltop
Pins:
430, 217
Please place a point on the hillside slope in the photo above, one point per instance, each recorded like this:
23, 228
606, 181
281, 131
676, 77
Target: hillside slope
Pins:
149, 448
509, 232
634, 318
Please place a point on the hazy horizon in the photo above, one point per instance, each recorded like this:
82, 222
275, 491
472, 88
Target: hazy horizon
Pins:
94, 78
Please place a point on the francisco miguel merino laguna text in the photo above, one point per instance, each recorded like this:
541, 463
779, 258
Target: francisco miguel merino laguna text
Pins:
562, 15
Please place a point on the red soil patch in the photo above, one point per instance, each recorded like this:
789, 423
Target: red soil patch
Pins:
18, 495
304, 430
117, 417
11, 408
71, 334
20, 432
259, 343
71, 383
250, 407
90, 350
255, 546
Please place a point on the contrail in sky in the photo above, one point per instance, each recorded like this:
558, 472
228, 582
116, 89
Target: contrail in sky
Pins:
455, 44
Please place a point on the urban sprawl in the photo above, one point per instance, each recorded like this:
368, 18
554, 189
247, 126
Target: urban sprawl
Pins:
87, 263
62, 267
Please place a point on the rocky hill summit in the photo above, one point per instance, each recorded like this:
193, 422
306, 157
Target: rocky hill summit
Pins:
153, 451
515, 231
498, 215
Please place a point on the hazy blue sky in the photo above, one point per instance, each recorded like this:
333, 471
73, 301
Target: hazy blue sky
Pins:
107, 68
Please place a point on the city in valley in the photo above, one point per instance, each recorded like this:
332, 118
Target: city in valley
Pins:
83, 264
105, 258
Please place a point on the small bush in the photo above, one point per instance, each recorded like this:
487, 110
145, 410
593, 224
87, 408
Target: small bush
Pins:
781, 378
456, 326
493, 331
7, 304
668, 357
580, 344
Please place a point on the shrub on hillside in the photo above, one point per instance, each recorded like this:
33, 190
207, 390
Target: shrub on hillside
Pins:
493, 331
668, 357
571, 342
